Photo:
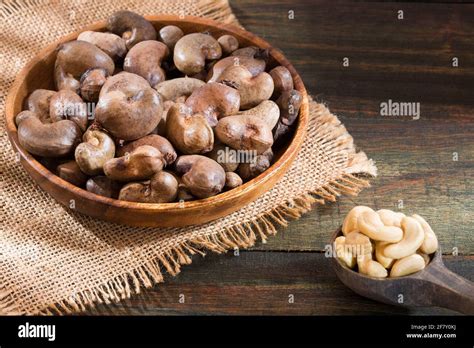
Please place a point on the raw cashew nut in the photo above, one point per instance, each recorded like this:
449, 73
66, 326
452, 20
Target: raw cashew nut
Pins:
412, 239
96, 149
160, 143
370, 267
390, 218
170, 35
282, 80
128, 107
214, 101
407, 265
140, 164
67, 105
384, 261
343, 253
103, 186
91, 84
144, 59
228, 43
253, 52
250, 169
245, 132
202, 176
161, 188
371, 225
225, 156
177, 88
253, 90
253, 65
290, 104
430, 241
190, 133
47, 139
192, 50
350, 222
110, 43
74, 58
132, 27
267, 110
232, 180
38, 102
425, 257
71, 172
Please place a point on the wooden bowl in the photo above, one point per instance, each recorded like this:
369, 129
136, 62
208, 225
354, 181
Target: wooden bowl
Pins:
38, 73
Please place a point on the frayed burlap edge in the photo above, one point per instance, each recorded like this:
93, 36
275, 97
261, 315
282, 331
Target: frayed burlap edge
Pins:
243, 235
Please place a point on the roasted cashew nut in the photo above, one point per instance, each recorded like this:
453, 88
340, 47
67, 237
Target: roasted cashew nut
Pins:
145, 58
290, 104
103, 186
140, 164
74, 58
128, 107
245, 132
170, 35
407, 265
252, 90
214, 101
91, 84
47, 139
160, 143
267, 110
232, 180
132, 27
96, 149
250, 169
282, 80
253, 65
177, 88
412, 239
71, 172
202, 176
228, 43
190, 133
67, 105
110, 43
38, 102
192, 50
161, 188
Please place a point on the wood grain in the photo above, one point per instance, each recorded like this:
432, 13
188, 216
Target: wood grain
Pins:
260, 283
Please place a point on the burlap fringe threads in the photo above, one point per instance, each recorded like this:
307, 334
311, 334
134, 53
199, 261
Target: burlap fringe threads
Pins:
239, 236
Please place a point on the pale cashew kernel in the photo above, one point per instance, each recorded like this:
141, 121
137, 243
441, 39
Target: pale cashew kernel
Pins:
384, 261
407, 265
412, 239
390, 218
430, 241
372, 226
370, 267
343, 253
350, 222
358, 244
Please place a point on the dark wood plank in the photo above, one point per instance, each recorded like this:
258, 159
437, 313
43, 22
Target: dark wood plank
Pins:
260, 283
409, 61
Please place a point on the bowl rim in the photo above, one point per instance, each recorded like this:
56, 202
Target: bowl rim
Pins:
46, 174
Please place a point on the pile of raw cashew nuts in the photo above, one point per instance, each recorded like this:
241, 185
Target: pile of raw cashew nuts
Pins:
170, 112
385, 243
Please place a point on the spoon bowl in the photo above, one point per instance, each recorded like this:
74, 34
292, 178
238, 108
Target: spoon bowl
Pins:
435, 285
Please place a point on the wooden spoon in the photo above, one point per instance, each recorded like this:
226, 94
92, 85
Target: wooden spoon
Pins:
435, 285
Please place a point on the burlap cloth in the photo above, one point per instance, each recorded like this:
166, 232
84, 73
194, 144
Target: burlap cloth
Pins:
56, 261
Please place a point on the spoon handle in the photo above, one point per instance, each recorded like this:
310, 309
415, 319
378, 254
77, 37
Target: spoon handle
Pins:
450, 290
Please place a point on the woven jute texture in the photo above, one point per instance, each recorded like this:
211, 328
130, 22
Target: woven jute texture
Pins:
56, 261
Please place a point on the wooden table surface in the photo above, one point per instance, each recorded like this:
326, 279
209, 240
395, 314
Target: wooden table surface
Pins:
426, 166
